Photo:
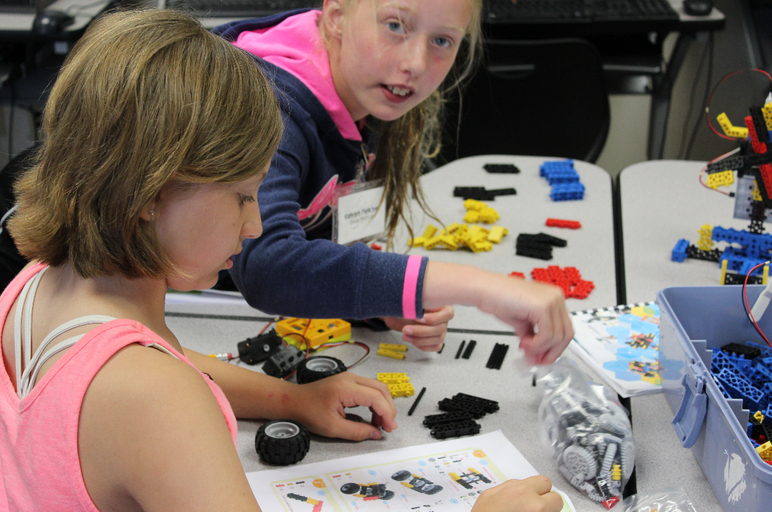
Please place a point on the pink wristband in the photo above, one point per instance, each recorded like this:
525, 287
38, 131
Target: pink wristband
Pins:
412, 271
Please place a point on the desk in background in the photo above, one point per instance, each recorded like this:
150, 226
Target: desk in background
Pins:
590, 248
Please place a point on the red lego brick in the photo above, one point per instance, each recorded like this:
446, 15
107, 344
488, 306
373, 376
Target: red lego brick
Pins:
573, 275
517, 274
758, 146
560, 223
766, 176
375, 246
556, 273
541, 274
582, 290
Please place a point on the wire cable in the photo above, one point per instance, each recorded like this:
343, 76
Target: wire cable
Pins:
705, 168
747, 306
713, 91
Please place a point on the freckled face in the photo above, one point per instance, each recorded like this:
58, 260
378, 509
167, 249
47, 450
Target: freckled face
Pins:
202, 226
390, 55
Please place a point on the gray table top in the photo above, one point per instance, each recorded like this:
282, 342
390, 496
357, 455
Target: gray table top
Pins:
590, 249
214, 328
441, 374
662, 202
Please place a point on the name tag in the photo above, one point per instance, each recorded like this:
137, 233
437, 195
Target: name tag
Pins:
356, 215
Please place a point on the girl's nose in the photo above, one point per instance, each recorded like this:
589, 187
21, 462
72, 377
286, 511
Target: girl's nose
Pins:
253, 224
414, 60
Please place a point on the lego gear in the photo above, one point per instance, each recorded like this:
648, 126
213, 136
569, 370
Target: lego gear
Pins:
282, 442
317, 368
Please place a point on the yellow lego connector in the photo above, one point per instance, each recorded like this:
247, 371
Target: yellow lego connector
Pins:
765, 451
405, 389
766, 110
471, 215
396, 347
759, 416
474, 205
729, 128
429, 232
319, 331
393, 378
390, 353
496, 234
720, 179
416, 242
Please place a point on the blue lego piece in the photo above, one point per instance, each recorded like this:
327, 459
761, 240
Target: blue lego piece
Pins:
567, 192
556, 166
721, 387
562, 177
739, 387
719, 361
768, 411
742, 364
679, 251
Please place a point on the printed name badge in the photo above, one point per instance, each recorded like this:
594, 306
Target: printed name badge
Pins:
357, 217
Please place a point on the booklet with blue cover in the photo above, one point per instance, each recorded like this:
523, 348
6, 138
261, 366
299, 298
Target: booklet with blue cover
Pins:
621, 345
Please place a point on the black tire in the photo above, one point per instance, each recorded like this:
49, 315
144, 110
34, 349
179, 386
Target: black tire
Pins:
282, 442
401, 476
349, 488
387, 495
317, 368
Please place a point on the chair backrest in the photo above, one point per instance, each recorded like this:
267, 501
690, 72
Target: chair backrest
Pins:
540, 97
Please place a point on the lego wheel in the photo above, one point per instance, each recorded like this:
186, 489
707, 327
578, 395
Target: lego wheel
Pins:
579, 462
400, 476
317, 368
282, 442
349, 488
387, 495
431, 489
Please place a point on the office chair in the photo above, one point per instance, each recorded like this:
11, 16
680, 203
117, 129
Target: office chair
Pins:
541, 97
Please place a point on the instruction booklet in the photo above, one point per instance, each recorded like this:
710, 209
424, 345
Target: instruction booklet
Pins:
621, 345
436, 477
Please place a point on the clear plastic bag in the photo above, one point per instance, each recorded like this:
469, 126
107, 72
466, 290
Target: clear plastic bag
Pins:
588, 433
666, 500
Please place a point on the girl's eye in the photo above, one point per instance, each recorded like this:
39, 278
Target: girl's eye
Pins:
244, 199
395, 27
442, 42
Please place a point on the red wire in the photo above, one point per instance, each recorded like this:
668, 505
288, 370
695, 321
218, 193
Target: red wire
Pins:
702, 171
710, 96
748, 306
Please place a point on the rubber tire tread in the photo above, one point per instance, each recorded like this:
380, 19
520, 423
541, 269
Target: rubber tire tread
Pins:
282, 451
305, 375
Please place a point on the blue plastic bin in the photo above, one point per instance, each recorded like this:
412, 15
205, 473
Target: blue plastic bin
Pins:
694, 320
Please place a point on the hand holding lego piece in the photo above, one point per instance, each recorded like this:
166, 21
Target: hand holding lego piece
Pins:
426, 333
532, 493
321, 406
536, 311
590, 436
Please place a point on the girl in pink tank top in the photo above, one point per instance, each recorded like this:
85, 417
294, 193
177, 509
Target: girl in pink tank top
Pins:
157, 135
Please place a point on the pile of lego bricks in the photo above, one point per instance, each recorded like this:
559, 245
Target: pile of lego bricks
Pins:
537, 246
569, 279
744, 371
563, 179
461, 411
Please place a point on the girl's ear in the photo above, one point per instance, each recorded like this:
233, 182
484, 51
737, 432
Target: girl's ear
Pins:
148, 213
332, 17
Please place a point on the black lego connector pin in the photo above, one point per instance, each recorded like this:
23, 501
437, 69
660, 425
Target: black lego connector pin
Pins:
258, 349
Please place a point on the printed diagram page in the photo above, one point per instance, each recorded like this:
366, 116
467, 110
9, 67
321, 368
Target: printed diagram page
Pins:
444, 476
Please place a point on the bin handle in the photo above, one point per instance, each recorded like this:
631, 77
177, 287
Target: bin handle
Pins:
691, 413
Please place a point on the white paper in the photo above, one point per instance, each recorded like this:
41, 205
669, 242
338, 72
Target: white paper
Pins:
480, 461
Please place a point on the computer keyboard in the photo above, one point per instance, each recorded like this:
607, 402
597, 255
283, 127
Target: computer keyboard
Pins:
23, 6
596, 16
239, 8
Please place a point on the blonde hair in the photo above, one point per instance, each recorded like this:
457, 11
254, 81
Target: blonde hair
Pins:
404, 144
146, 99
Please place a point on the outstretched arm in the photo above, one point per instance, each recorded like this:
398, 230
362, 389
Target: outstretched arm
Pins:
536, 311
319, 405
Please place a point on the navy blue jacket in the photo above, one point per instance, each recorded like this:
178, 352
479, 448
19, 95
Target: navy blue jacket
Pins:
296, 270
